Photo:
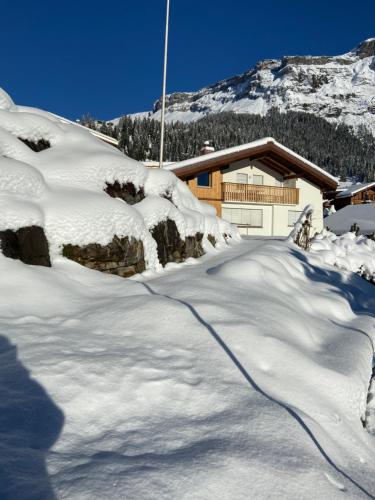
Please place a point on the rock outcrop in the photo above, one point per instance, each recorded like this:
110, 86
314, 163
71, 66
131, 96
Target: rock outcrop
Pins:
122, 256
36, 146
171, 247
127, 192
28, 244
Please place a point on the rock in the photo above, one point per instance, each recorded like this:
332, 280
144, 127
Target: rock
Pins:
211, 239
28, 244
193, 246
170, 246
126, 192
122, 256
38, 146
169, 243
366, 48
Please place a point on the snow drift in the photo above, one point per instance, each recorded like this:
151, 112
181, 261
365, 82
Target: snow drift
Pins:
239, 375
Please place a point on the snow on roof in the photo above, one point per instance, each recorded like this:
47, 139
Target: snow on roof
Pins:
356, 188
216, 154
341, 221
175, 167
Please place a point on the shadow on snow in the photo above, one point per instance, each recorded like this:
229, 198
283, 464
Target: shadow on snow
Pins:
30, 424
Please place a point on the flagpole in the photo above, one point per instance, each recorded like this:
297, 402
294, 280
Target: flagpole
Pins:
164, 87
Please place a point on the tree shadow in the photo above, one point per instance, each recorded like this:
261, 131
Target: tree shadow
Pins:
30, 424
357, 291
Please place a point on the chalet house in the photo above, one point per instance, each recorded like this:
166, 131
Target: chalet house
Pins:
262, 187
355, 195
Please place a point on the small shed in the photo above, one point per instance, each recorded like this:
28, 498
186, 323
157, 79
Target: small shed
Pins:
357, 194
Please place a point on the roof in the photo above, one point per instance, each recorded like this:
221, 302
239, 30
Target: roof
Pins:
99, 135
354, 189
268, 150
341, 221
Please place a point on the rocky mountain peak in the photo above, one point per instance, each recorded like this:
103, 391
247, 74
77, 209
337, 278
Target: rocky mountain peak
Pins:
340, 89
365, 49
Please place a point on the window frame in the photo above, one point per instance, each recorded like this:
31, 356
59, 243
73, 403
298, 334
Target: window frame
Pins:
243, 174
205, 186
241, 210
299, 212
260, 176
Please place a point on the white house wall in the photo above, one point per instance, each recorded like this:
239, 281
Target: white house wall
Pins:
275, 217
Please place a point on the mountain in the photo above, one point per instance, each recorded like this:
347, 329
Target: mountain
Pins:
340, 89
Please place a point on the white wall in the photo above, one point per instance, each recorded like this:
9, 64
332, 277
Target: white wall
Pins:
275, 217
251, 168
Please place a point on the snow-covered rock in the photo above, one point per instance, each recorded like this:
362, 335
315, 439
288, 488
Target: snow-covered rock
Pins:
57, 176
340, 89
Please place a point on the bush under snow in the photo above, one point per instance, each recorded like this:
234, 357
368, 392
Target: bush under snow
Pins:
348, 252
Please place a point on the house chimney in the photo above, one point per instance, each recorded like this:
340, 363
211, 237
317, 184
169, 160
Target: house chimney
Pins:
207, 148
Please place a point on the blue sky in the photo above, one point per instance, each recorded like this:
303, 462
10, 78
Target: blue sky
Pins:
105, 58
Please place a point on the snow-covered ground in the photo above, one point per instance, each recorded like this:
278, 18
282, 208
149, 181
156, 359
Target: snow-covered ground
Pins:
243, 374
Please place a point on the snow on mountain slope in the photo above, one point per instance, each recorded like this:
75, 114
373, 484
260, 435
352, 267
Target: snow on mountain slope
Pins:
340, 89
243, 374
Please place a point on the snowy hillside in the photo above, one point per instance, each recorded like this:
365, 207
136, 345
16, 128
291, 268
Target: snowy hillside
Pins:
340, 89
83, 198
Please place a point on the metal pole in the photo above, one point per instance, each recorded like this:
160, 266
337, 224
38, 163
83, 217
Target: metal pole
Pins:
164, 88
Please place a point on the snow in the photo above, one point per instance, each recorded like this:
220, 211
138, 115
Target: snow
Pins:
344, 94
61, 188
348, 251
363, 215
245, 371
355, 188
180, 165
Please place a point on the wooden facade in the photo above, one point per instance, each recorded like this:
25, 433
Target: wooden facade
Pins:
212, 194
363, 196
220, 192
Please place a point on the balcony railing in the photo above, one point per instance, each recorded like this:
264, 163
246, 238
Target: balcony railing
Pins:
259, 194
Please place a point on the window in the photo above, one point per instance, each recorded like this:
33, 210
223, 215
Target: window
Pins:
242, 178
258, 180
293, 216
204, 179
243, 216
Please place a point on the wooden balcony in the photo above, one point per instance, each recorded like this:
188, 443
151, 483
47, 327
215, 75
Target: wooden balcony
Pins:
251, 193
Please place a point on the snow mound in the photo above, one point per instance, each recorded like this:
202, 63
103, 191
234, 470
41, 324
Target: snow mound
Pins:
30, 126
5, 100
348, 251
20, 178
64, 170
16, 213
245, 372
363, 215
